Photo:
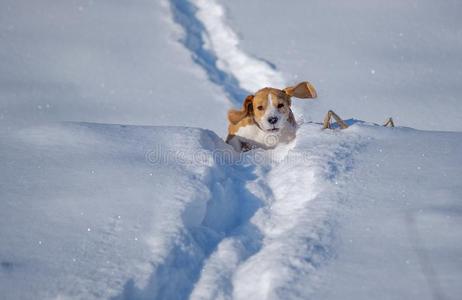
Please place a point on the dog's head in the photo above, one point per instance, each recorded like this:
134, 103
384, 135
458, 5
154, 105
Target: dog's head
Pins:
270, 107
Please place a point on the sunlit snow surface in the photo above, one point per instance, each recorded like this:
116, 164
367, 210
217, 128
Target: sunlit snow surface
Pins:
101, 211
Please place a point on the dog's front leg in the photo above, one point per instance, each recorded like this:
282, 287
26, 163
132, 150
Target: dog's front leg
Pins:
234, 142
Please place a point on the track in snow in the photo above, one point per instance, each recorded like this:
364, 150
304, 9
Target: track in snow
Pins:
229, 207
215, 47
299, 191
268, 221
255, 209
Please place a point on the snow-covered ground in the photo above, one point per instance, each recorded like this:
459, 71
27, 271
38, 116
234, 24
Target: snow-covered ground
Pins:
104, 211
400, 235
99, 211
100, 61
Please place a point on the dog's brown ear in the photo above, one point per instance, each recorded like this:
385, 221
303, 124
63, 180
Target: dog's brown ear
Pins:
302, 90
235, 116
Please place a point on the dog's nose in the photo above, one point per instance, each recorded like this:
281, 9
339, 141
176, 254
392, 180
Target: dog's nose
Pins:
272, 120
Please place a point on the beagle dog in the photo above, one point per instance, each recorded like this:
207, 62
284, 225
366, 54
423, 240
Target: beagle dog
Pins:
265, 119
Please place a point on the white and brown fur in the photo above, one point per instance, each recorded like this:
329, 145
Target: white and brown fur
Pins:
266, 118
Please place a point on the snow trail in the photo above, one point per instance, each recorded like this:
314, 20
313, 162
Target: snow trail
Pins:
265, 217
219, 204
299, 189
289, 231
215, 47
105, 218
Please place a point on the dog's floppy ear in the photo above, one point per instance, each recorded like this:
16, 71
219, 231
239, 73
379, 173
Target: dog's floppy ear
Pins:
302, 90
235, 116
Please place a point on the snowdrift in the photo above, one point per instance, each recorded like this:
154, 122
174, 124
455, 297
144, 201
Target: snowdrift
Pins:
93, 211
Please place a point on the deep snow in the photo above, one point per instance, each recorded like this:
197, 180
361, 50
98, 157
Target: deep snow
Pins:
85, 212
91, 211
95, 211
400, 236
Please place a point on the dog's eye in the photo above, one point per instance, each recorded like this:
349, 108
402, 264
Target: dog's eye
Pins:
280, 105
260, 107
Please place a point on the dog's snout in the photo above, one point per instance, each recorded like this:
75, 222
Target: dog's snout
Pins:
272, 120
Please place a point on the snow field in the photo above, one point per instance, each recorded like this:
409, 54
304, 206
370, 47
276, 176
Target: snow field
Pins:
400, 231
187, 221
94, 211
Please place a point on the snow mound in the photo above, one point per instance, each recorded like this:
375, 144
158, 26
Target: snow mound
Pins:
93, 211
141, 210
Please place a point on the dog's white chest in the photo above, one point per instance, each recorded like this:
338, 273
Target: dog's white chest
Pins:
255, 137
252, 133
